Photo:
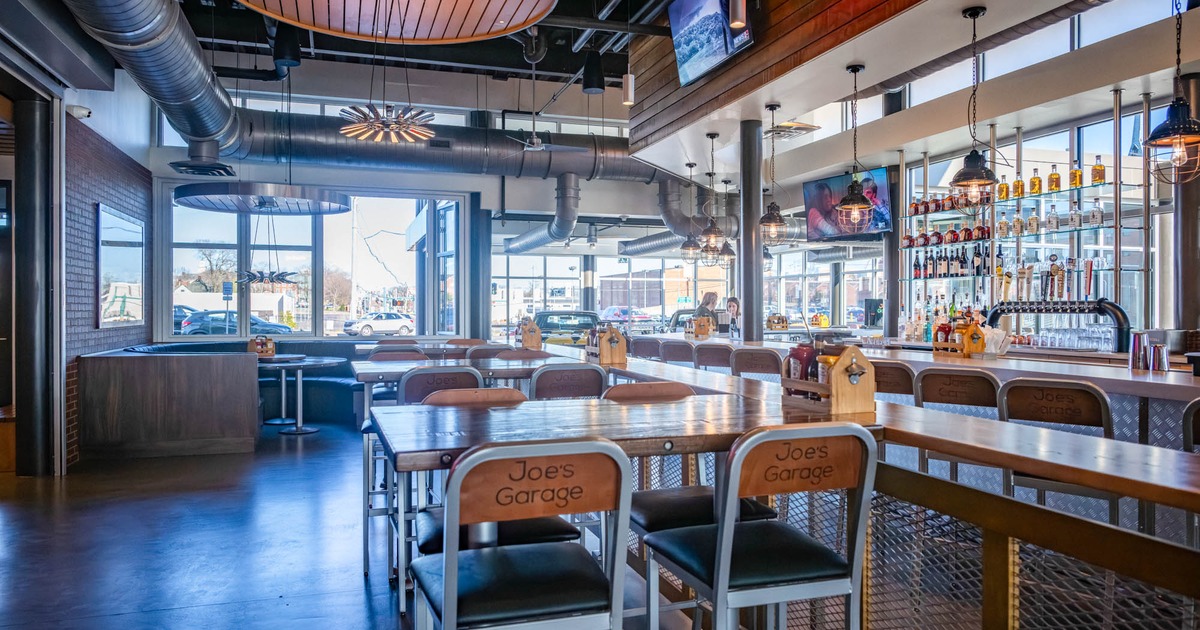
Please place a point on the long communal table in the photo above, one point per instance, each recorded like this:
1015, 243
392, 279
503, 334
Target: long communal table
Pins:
391, 371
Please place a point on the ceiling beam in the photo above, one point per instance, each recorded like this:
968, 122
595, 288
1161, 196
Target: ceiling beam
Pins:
610, 26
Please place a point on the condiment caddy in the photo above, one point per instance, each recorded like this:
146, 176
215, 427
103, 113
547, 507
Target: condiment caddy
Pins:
830, 384
531, 335
606, 346
261, 345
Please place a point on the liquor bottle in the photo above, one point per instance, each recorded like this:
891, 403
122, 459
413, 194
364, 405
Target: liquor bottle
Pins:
936, 206
950, 202
1098, 172
985, 196
1052, 219
1096, 214
1002, 226
1018, 187
1075, 218
922, 237
914, 208
918, 267
936, 237
943, 265
952, 265
1076, 176
1018, 224
1035, 183
926, 208
977, 262
964, 263
967, 233
1034, 224
1054, 181
929, 268
907, 241
953, 312
1002, 189
952, 235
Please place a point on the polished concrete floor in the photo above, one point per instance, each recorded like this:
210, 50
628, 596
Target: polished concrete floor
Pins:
266, 540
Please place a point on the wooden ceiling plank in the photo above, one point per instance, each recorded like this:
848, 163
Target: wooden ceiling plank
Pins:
470, 22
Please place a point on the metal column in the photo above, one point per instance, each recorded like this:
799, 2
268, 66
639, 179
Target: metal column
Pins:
32, 218
479, 282
1147, 288
1118, 257
892, 257
750, 241
1187, 233
587, 296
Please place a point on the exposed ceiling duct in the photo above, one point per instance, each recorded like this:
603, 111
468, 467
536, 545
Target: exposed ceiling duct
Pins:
1037, 23
679, 225
843, 254
566, 213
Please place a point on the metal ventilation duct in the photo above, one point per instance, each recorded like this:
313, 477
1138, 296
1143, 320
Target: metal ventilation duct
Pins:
257, 198
566, 213
843, 254
679, 225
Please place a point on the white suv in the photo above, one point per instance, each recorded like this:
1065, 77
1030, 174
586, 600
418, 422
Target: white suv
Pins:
380, 323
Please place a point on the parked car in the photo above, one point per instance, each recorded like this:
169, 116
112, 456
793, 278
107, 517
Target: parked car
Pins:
565, 327
225, 323
380, 323
635, 319
181, 313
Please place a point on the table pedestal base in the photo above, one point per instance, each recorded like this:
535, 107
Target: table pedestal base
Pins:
279, 421
298, 430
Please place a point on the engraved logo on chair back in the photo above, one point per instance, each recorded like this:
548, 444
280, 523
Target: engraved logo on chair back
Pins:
758, 362
1058, 405
787, 466
890, 379
713, 355
956, 389
531, 487
578, 383
417, 388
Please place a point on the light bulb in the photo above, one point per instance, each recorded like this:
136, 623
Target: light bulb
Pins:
855, 215
974, 193
1179, 155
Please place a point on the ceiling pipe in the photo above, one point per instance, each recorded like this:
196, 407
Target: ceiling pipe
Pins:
284, 40
566, 214
843, 254
587, 33
679, 225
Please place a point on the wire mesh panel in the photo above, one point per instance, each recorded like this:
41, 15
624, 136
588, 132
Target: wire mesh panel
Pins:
1058, 591
822, 516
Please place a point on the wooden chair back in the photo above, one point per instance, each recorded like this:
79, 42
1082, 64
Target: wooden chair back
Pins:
479, 396
678, 351
418, 383
1072, 403
754, 361
397, 356
956, 386
711, 355
786, 461
894, 377
465, 342
486, 351
582, 380
646, 348
654, 392
523, 354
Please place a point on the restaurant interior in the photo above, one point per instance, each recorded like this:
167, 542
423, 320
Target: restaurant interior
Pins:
723, 314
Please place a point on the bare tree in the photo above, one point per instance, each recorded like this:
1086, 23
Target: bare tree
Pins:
338, 288
220, 265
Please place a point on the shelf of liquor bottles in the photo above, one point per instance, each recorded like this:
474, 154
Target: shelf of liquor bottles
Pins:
1053, 234
954, 279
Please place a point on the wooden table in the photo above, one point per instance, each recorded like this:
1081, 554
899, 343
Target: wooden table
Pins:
298, 365
428, 349
391, 371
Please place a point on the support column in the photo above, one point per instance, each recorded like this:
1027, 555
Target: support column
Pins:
749, 240
891, 252
32, 218
587, 295
479, 246
1187, 233
837, 294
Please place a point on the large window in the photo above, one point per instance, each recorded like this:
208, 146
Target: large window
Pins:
1119, 16
447, 276
523, 286
204, 259
652, 289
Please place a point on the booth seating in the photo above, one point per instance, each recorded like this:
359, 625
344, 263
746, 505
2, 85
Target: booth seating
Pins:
395, 349
963, 387
536, 585
581, 380
1081, 405
738, 564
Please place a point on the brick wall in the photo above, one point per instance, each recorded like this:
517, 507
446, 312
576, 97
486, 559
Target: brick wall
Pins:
97, 172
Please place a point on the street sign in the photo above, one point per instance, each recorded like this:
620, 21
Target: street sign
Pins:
227, 291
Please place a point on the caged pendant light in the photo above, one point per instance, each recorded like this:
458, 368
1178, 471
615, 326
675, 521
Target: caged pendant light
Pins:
1175, 143
771, 224
974, 178
855, 211
690, 250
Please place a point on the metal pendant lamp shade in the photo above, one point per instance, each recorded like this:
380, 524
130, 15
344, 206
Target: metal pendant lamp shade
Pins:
627, 96
257, 198
1176, 145
772, 225
710, 255
690, 250
854, 211
712, 236
726, 258
737, 14
974, 177
593, 73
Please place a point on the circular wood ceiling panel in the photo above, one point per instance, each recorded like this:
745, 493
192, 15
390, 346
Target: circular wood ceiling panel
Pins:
423, 21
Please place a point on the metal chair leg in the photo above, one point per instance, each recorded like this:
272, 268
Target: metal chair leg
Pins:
368, 481
652, 611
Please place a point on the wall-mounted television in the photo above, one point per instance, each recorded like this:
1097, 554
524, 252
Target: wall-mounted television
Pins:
822, 195
702, 37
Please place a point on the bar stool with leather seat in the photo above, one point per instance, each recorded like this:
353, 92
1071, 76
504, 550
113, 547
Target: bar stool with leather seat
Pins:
580, 380
1191, 430
1076, 404
646, 348
545, 585
736, 564
711, 355
765, 362
964, 387
675, 351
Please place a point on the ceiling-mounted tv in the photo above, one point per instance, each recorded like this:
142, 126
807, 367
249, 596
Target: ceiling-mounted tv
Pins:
702, 37
820, 197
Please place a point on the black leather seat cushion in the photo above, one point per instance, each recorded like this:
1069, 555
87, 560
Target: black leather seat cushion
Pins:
671, 508
522, 532
522, 582
764, 553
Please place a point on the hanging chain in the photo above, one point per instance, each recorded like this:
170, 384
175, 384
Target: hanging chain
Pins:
772, 151
854, 119
974, 81
1178, 49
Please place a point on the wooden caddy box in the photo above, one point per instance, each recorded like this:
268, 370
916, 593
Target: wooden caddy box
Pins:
850, 390
777, 322
262, 345
531, 335
610, 348
972, 343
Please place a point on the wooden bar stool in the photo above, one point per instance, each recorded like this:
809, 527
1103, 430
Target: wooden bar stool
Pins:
544, 585
486, 351
710, 355
675, 351
646, 348
967, 387
580, 380
764, 362
1191, 429
1063, 403
742, 564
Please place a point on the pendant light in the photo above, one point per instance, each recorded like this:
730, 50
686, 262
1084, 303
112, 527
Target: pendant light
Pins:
974, 178
592, 236
854, 211
737, 14
627, 98
771, 224
1176, 141
593, 73
727, 255
712, 237
690, 250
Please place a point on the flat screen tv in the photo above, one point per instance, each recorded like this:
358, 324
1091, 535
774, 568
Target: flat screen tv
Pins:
703, 39
820, 197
